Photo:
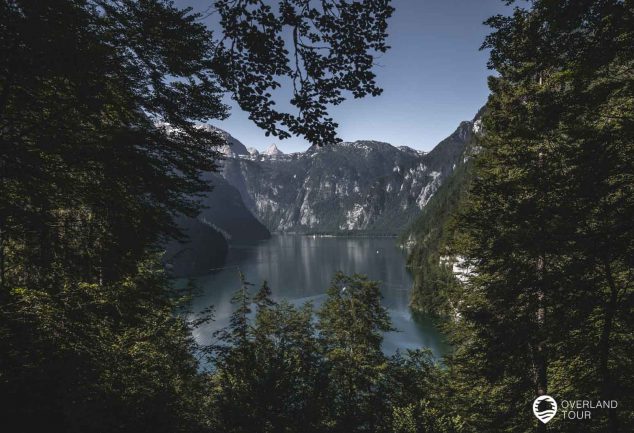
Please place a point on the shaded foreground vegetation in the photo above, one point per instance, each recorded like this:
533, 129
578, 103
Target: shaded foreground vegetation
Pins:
285, 371
541, 218
100, 152
117, 359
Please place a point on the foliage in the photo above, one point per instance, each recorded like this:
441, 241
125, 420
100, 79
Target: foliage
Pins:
547, 231
351, 323
324, 48
101, 150
436, 289
100, 358
285, 376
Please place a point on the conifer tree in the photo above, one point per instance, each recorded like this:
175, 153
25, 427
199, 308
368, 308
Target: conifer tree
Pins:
351, 325
100, 151
235, 366
542, 313
270, 380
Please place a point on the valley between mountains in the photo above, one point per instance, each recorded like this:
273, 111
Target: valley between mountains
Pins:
354, 188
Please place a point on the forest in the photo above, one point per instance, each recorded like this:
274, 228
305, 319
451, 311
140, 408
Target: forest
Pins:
101, 152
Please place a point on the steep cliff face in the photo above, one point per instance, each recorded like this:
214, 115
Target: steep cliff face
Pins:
224, 210
224, 220
364, 186
437, 273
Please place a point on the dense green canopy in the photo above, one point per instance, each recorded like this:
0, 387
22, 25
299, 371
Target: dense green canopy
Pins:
546, 224
100, 151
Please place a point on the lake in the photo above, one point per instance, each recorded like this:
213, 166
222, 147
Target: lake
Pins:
299, 268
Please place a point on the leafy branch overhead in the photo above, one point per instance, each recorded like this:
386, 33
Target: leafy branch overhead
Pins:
320, 48
100, 101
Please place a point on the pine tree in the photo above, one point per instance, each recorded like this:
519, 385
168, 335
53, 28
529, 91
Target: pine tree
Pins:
545, 229
351, 325
100, 151
235, 366
270, 379
263, 298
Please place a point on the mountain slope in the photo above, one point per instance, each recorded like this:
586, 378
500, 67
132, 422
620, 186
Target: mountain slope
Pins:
205, 249
223, 220
365, 186
224, 210
428, 239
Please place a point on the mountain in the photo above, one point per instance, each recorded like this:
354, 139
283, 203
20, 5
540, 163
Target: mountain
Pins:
224, 210
205, 248
364, 186
233, 146
223, 220
272, 150
436, 271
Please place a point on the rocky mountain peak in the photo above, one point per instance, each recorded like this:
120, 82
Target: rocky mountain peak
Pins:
272, 150
233, 146
410, 150
366, 185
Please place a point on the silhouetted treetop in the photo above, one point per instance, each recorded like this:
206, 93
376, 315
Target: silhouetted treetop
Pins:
321, 48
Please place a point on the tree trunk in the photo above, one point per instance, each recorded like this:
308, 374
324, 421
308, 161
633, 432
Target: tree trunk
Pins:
541, 378
2, 261
604, 348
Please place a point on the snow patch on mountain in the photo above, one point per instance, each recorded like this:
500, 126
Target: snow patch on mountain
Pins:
272, 150
353, 186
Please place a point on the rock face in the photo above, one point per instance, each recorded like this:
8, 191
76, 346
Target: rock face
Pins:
436, 272
366, 186
234, 147
272, 150
224, 210
224, 220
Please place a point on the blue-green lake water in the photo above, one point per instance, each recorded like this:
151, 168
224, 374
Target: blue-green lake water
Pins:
299, 269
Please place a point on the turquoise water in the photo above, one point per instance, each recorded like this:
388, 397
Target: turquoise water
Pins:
299, 268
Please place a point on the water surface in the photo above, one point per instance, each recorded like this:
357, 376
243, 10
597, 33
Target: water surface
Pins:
299, 268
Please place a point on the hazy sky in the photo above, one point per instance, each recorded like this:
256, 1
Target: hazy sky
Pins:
433, 78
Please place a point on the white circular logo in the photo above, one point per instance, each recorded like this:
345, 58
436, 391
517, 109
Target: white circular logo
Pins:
544, 408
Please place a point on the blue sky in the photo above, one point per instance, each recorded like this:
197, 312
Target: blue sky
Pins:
433, 78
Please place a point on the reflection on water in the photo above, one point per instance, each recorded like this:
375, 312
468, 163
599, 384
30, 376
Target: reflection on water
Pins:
299, 269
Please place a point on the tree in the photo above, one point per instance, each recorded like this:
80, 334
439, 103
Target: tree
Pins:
100, 358
543, 236
351, 323
418, 395
267, 372
321, 48
235, 367
99, 101
289, 385
294, 375
100, 150
90, 181
436, 289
